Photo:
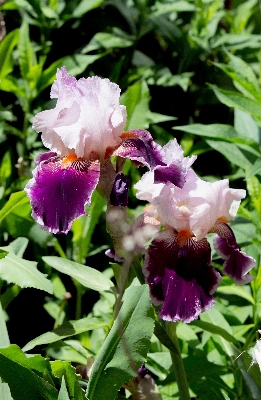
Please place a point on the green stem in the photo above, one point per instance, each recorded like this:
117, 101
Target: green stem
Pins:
79, 293
122, 286
178, 365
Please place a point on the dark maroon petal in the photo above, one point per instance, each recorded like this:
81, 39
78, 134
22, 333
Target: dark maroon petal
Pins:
119, 193
237, 263
58, 195
180, 276
138, 145
170, 174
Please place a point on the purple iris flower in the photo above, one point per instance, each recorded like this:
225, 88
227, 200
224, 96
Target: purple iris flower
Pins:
82, 132
177, 264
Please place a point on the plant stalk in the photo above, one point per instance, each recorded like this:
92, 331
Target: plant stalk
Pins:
177, 362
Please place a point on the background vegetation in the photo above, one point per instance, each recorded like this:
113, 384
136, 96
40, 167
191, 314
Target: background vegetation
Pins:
187, 69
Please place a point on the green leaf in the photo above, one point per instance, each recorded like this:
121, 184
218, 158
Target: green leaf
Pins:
26, 55
220, 131
256, 169
176, 6
88, 277
231, 152
22, 272
16, 199
5, 393
237, 100
126, 346
16, 247
215, 329
246, 126
4, 338
238, 291
64, 370
68, 329
22, 375
110, 41
75, 65
163, 337
85, 6
136, 99
6, 48
63, 394
83, 227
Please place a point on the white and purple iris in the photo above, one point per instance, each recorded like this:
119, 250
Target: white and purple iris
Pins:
83, 131
178, 262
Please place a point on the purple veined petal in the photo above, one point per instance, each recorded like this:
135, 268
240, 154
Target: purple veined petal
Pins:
170, 174
138, 145
59, 191
180, 275
237, 263
119, 193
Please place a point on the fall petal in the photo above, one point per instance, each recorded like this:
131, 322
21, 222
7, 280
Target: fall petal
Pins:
180, 276
58, 194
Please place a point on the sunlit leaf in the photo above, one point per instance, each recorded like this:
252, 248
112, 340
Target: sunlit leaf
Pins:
68, 329
126, 346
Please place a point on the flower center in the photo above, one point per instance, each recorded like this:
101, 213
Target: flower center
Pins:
68, 160
183, 236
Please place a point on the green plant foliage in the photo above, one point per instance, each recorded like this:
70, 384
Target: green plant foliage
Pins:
119, 358
188, 70
68, 329
87, 276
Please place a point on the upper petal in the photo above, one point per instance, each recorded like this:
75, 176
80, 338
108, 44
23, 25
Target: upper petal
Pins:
87, 118
58, 192
138, 145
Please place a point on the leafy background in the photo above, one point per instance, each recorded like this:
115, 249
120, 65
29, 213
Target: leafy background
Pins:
187, 69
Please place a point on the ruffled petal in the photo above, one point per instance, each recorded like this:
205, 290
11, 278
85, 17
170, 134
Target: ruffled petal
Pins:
60, 189
86, 119
237, 263
138, 145
180, 275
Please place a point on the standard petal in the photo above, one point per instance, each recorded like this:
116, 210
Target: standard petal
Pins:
138, 145
180, 275
58, 194
237, 263
170, 174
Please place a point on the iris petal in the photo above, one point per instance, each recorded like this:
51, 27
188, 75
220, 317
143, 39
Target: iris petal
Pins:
237, 263
180, 276
58, 194
138, 145
170, 174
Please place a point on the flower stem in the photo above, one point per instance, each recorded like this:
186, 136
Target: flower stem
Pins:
177, 362
122, 286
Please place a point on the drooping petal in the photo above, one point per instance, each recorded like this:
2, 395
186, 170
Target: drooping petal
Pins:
60, 189
180, 275
237, 263
138, 145
119, 193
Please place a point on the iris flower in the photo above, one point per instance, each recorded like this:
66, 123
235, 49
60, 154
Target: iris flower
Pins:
178, 262
82, 132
